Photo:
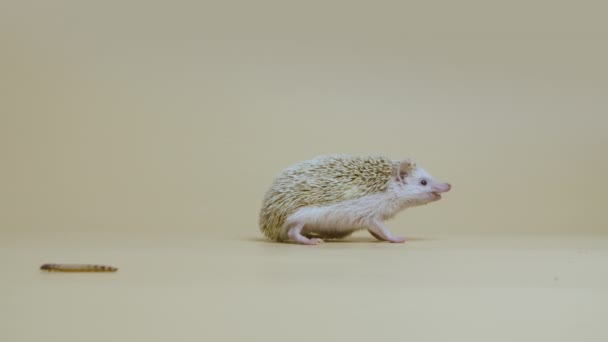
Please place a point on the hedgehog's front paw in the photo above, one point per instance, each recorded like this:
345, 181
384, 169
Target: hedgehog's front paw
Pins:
397, 239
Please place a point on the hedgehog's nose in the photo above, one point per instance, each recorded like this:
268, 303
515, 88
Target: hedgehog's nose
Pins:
445, 187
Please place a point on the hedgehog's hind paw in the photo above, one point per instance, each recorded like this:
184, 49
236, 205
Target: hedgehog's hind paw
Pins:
295, 235
306, 241
316, 241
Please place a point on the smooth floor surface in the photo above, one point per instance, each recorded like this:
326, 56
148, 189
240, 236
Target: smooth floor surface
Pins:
198, 288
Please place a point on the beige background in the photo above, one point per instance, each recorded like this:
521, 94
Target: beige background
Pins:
137, 133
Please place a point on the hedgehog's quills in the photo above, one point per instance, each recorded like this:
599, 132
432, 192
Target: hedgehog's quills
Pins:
77, 268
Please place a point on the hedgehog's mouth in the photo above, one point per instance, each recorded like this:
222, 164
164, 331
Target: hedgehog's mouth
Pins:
436, 195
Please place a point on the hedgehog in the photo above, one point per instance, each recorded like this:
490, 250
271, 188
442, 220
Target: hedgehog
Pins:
332, 196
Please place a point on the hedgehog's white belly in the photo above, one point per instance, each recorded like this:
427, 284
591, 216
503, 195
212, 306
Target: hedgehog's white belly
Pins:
328, 219
343, 216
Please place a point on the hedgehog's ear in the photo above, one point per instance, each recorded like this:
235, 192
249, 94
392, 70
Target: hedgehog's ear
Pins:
405, 168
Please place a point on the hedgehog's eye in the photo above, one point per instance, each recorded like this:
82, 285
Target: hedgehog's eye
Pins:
423, 182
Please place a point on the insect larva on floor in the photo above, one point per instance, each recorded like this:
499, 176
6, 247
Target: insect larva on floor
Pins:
77, 268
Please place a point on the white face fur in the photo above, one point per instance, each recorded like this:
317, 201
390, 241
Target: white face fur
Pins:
418, 185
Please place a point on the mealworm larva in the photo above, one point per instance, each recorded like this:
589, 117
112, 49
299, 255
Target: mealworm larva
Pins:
77, 268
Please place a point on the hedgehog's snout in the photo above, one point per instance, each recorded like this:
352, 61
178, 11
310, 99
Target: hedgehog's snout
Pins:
443, 187
439, 189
